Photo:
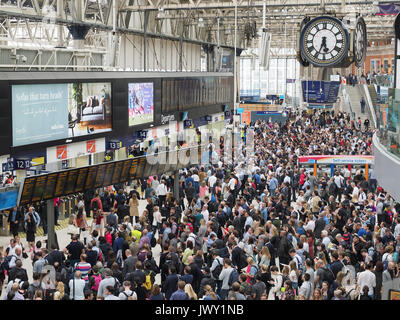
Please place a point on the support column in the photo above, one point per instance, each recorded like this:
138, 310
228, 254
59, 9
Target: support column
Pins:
146, 19
176, 184
315, 169
51, 231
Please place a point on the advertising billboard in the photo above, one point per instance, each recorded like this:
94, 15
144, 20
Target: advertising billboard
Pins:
46, 112
141, 103
39, 113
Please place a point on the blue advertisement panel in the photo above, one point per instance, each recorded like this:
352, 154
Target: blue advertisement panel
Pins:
46, 112
8, 200
39, 113
141, 103
320, 91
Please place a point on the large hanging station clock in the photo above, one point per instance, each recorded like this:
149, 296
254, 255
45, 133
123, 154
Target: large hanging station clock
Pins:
360, 42
324, 41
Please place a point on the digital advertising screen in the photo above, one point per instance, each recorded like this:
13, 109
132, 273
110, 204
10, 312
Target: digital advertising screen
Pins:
39, 113
90, 109
141, 103
47, 112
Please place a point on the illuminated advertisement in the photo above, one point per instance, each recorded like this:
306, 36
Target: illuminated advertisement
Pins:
46, 112
141, 103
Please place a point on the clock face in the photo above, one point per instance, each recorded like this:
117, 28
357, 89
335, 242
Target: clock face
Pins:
324, 41
360, 42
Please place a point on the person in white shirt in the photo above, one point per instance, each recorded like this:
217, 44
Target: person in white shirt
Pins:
367, 278
354, 195
161, 192
397, 228
124, 295
157, 219
76, 287
232, 183
212, 180
205, 213
310, 223
325, 239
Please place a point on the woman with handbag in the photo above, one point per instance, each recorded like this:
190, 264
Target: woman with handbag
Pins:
80, 222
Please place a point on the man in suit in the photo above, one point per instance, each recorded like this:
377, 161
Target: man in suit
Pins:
170, 284
14, 219
129, 263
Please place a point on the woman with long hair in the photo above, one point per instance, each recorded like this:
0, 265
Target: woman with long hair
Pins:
81, 223
289, 293
210, 294
317, 294
251, 270
294, 274
264, 257
190, 292
203, 191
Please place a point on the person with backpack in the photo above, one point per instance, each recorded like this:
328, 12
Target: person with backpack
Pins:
94, 279
108, 280
224, 276
216, 268
127, 292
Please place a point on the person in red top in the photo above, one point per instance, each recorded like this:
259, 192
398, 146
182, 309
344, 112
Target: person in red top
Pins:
97, 209
57, 202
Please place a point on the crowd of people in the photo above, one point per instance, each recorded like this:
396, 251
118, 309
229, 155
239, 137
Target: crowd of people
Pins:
261, 228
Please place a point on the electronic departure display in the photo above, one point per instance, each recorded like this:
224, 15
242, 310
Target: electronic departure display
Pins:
100, 176
140, 167
108, 174
62, 179
40, 186
50, 186
125, 170
91, 178
117, 172
73, 181
80, 181
132, 170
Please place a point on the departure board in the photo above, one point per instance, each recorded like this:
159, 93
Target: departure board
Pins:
140, 167
132, 170
100, 176
39, 188
91, 178
71, 180
61, 181
58, 184
117, 172
50, 186
125, 170
27, 191
108, 174
80, 180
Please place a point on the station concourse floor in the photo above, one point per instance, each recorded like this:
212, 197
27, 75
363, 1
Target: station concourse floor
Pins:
63, 240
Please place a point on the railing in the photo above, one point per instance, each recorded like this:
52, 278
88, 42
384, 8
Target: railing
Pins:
369, 104
346, 99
